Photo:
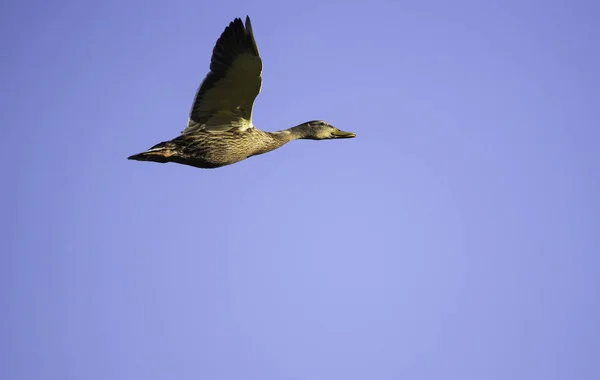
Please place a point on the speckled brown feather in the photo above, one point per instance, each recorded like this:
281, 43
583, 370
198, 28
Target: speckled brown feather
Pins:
208, 150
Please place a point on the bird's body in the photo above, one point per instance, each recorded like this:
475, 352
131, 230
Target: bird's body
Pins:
209, 150
220, 130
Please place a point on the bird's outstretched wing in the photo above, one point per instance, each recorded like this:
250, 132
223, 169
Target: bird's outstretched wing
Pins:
225, 98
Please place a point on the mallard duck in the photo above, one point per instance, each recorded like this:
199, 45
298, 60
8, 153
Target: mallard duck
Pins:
219, 131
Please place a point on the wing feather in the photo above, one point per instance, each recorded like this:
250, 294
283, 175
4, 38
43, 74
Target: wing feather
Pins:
226, 96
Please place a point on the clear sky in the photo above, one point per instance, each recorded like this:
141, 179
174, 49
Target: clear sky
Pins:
457, 237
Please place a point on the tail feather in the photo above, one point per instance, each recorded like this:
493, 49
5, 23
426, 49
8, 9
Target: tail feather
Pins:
158, 153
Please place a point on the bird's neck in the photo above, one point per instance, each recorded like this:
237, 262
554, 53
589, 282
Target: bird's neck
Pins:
290, 134
272, 141
281, 138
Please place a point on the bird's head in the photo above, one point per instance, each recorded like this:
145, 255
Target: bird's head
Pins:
321, 130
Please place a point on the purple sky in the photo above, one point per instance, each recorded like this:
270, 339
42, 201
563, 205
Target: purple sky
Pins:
457, 237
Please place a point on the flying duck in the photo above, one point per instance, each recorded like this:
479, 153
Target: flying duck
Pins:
219, 131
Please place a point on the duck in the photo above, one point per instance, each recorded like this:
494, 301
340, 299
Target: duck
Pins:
219, 131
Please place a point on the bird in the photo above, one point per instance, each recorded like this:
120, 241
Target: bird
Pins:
219, 130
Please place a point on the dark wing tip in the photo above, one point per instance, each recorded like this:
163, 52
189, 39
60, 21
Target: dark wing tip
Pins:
238, 37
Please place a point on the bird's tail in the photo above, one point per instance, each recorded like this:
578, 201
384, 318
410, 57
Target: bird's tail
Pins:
161, 152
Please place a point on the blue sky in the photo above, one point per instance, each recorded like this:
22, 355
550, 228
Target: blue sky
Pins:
457, 237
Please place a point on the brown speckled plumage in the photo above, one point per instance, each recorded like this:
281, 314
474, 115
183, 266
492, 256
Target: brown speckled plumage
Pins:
220, 130
209, 150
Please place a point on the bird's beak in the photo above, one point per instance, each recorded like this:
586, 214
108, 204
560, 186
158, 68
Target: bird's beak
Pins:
343, 135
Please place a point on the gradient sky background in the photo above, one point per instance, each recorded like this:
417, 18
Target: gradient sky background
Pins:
457, 237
